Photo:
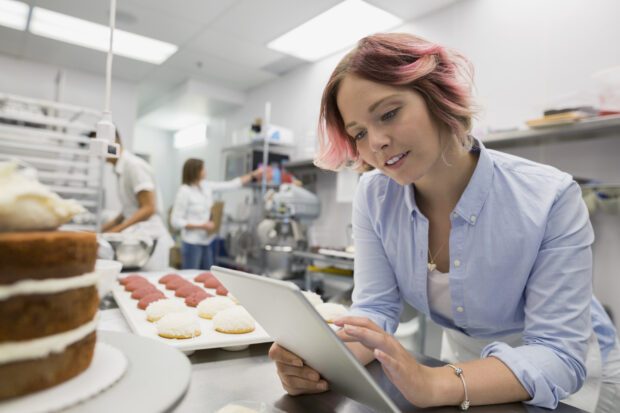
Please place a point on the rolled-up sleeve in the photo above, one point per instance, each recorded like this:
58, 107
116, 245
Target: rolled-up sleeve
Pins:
375, 293
179, 209
551, 363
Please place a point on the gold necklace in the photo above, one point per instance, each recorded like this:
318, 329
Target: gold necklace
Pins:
431, 265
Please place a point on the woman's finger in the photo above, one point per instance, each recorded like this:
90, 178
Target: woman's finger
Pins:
370, 338
358, 322
282, 355
305, 372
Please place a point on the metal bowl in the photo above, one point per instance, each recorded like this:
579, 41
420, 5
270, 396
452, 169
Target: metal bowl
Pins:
131, 250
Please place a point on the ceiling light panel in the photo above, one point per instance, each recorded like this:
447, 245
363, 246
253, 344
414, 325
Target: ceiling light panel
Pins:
14, 14
334, 30
96, 36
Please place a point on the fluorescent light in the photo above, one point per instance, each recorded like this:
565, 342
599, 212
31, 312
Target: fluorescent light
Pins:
14, 14
191, 136
96, 36
333, 30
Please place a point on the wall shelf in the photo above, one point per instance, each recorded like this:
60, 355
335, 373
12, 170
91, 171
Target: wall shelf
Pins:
584, 129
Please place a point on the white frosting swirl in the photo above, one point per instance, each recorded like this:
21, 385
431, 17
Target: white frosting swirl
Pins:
27, 205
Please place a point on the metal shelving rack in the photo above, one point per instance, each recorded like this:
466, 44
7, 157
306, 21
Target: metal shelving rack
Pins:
49, 136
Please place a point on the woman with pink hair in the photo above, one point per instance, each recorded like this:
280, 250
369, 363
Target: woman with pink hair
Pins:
494, 248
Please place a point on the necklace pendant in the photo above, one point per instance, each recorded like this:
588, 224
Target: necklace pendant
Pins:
432, 266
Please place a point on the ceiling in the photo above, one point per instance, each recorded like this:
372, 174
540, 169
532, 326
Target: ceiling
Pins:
221, 42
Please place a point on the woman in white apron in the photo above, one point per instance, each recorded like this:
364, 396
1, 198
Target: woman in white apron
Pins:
494, 248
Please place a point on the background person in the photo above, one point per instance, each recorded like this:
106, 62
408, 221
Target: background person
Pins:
141, 205
191, 212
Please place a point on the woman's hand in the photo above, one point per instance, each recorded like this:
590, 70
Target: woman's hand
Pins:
295, 377
209, 225
410, 377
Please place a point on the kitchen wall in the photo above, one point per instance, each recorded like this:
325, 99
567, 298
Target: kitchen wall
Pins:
528, 54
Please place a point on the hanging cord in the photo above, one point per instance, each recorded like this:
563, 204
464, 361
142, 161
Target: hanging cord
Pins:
108, 69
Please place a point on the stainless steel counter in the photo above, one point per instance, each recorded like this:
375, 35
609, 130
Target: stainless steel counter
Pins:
220, 377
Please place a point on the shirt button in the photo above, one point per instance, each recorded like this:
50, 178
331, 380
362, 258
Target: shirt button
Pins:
473, 218
459, 309
457, 263
455, 215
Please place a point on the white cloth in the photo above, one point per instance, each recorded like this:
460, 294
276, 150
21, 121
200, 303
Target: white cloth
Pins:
193, 206
135, 175
438, 285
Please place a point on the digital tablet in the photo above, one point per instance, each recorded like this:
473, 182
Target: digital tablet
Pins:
289, 318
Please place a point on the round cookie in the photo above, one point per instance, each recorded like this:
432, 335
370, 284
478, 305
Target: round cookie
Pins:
210, 307
178, 325
313, 297
234, 320
160, 308
331, 311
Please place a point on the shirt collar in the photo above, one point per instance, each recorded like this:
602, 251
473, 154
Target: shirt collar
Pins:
472, 200
477, 190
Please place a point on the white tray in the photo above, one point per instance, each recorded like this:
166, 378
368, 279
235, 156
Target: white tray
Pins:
209, 338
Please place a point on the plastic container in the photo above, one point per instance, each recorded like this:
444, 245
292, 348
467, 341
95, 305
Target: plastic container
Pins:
276, 176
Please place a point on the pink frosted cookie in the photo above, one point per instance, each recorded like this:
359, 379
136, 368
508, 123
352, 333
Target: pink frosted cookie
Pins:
195, 299
146, 300
143, 291
169, 277
125, 280
203, 276
177, 283
187, 290
133, 285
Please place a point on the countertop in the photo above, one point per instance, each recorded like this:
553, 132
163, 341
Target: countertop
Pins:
219, 377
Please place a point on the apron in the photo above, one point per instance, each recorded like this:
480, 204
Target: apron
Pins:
457, 347
155, 228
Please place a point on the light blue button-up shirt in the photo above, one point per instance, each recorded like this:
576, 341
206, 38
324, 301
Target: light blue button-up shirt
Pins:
520, 262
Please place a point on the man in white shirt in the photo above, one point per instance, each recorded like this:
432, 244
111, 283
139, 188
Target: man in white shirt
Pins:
141, 205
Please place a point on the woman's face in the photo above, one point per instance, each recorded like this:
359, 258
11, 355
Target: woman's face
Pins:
203, 173
391, 126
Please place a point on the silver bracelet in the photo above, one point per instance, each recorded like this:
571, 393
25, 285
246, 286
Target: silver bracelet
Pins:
459, 372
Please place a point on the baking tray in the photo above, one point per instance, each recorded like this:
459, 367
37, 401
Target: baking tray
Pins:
209, 338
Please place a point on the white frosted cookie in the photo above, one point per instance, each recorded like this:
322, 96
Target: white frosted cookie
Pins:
210, 306
232, 297
313, 297
331, 311
178, 325
235, 408
234, 320
158, 309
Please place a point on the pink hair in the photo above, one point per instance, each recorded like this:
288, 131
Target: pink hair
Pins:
442, 76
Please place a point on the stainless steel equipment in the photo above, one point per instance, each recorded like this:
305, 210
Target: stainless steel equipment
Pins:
284, 230
132, 250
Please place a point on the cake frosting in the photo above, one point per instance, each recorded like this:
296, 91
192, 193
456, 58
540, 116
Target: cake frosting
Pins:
158, 309
178, 325
234, 320
11, 351
47, 286
313, 297
235, 408
27, 205
331, 311
207, 308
